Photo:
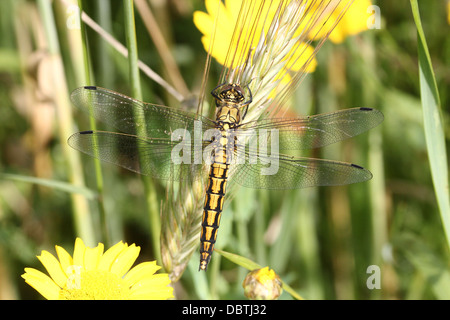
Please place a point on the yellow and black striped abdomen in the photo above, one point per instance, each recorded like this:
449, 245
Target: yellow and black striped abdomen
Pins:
215, 193
228, 102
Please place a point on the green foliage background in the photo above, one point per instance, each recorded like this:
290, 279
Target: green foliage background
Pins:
321, 241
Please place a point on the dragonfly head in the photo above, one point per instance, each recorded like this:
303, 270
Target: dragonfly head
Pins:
232, 94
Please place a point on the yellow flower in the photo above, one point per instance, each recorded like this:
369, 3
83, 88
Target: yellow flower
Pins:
266, 44
92, 274
353, 22
262, 284
257, 21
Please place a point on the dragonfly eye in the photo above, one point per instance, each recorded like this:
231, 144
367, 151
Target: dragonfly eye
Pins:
233, 93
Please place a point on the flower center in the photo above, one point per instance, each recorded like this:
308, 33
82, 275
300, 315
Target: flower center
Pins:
94, 285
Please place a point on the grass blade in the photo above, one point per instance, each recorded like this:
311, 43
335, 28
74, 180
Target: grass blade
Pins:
85, 77
433, 122
151, 199
81, 211
58, 185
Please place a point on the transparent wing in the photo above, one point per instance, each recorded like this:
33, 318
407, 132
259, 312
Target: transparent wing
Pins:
126, 114
158, 158
313, 131
157, 155
284, 172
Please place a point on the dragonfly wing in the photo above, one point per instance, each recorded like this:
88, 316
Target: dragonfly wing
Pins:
313, 131
126, 114
284, 172
158, 158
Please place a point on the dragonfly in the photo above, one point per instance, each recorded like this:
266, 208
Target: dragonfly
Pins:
181, 145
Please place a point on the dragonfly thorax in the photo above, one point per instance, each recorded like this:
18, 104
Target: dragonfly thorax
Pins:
228, 114
230, 98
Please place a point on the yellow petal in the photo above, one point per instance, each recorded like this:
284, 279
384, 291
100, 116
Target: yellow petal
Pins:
108, 258
41, 283
78, 252
353, 22
156, 285
141, 271
92, 257
161, 280
125, 260
221, 33
203, 22
64, 258
53, 268
299, 56
233, 6
213, 7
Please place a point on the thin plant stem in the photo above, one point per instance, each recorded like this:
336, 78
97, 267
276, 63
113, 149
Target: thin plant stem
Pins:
150, 192
97, 163
81, 213
161, 46
107, 74
123, 51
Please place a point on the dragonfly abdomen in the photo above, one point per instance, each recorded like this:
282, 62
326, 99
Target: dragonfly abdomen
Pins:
215, 193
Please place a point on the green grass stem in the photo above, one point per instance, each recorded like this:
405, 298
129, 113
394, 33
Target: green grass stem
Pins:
86, 80
81, 212
434, 124
150, 192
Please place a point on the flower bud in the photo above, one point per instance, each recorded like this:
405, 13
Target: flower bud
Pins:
262, 284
